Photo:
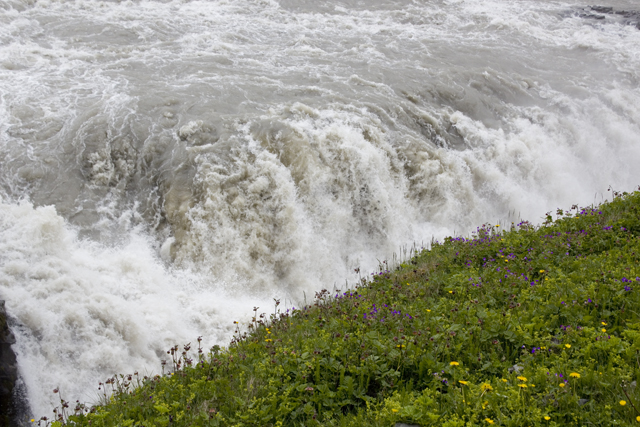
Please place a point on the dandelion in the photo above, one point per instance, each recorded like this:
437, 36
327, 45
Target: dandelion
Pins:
463, 382
604, 323
486, 387
623, 402
394, 410
489, 420
428, 311
33, 420
574, 375
522, 379
454, 363
450, 292
638, 418
561, 384
522, 385
547, 418
541, 271
504, 380
268, 340
568, 345
603, 330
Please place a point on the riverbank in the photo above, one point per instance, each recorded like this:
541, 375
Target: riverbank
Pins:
533, 325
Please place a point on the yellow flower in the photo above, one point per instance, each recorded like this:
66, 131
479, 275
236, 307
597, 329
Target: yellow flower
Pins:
268, 340
486, 387
522, 379
546, 417
484, 404
561, 384
522, 385
463, 382
394, 410
604, 323
622, 402
541, 271
454, 363
497, 225
604, 330
568, 345
489, 420
543, 348
574, 375
637, 418
450, 292
33, 420
504, 380
428, 311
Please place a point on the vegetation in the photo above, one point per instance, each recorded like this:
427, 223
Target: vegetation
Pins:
534, 326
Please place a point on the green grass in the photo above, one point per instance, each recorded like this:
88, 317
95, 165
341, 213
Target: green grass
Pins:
478, 331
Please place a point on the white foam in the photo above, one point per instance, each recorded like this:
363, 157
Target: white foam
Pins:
83, 312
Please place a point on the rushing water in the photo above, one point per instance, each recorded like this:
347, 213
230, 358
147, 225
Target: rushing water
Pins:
168, 165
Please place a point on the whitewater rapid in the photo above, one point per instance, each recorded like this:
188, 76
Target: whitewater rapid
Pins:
168, 165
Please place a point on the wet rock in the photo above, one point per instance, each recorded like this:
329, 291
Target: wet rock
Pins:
607, 13
8, 372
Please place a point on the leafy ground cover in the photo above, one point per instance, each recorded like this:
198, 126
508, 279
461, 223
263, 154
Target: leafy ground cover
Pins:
531, 326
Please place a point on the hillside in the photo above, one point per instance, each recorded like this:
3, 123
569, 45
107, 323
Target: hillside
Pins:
517, 325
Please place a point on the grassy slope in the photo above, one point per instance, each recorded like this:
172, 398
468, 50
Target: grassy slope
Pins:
477, 331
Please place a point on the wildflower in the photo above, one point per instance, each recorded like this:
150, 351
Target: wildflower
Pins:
450, 292
428, 311
574, 375
604, 330
546, 417
504, 380
638, 418
568, 345
541, 271
489, 420
623, 402
33, 420
561, 384
522, 379
454, 363
486, 387
463, 382
268, 340
522, 385
604, 323
394, 410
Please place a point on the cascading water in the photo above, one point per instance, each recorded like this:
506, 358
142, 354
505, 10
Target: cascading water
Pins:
168, 165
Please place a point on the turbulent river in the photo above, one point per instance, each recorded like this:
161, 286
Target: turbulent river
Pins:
165, 166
